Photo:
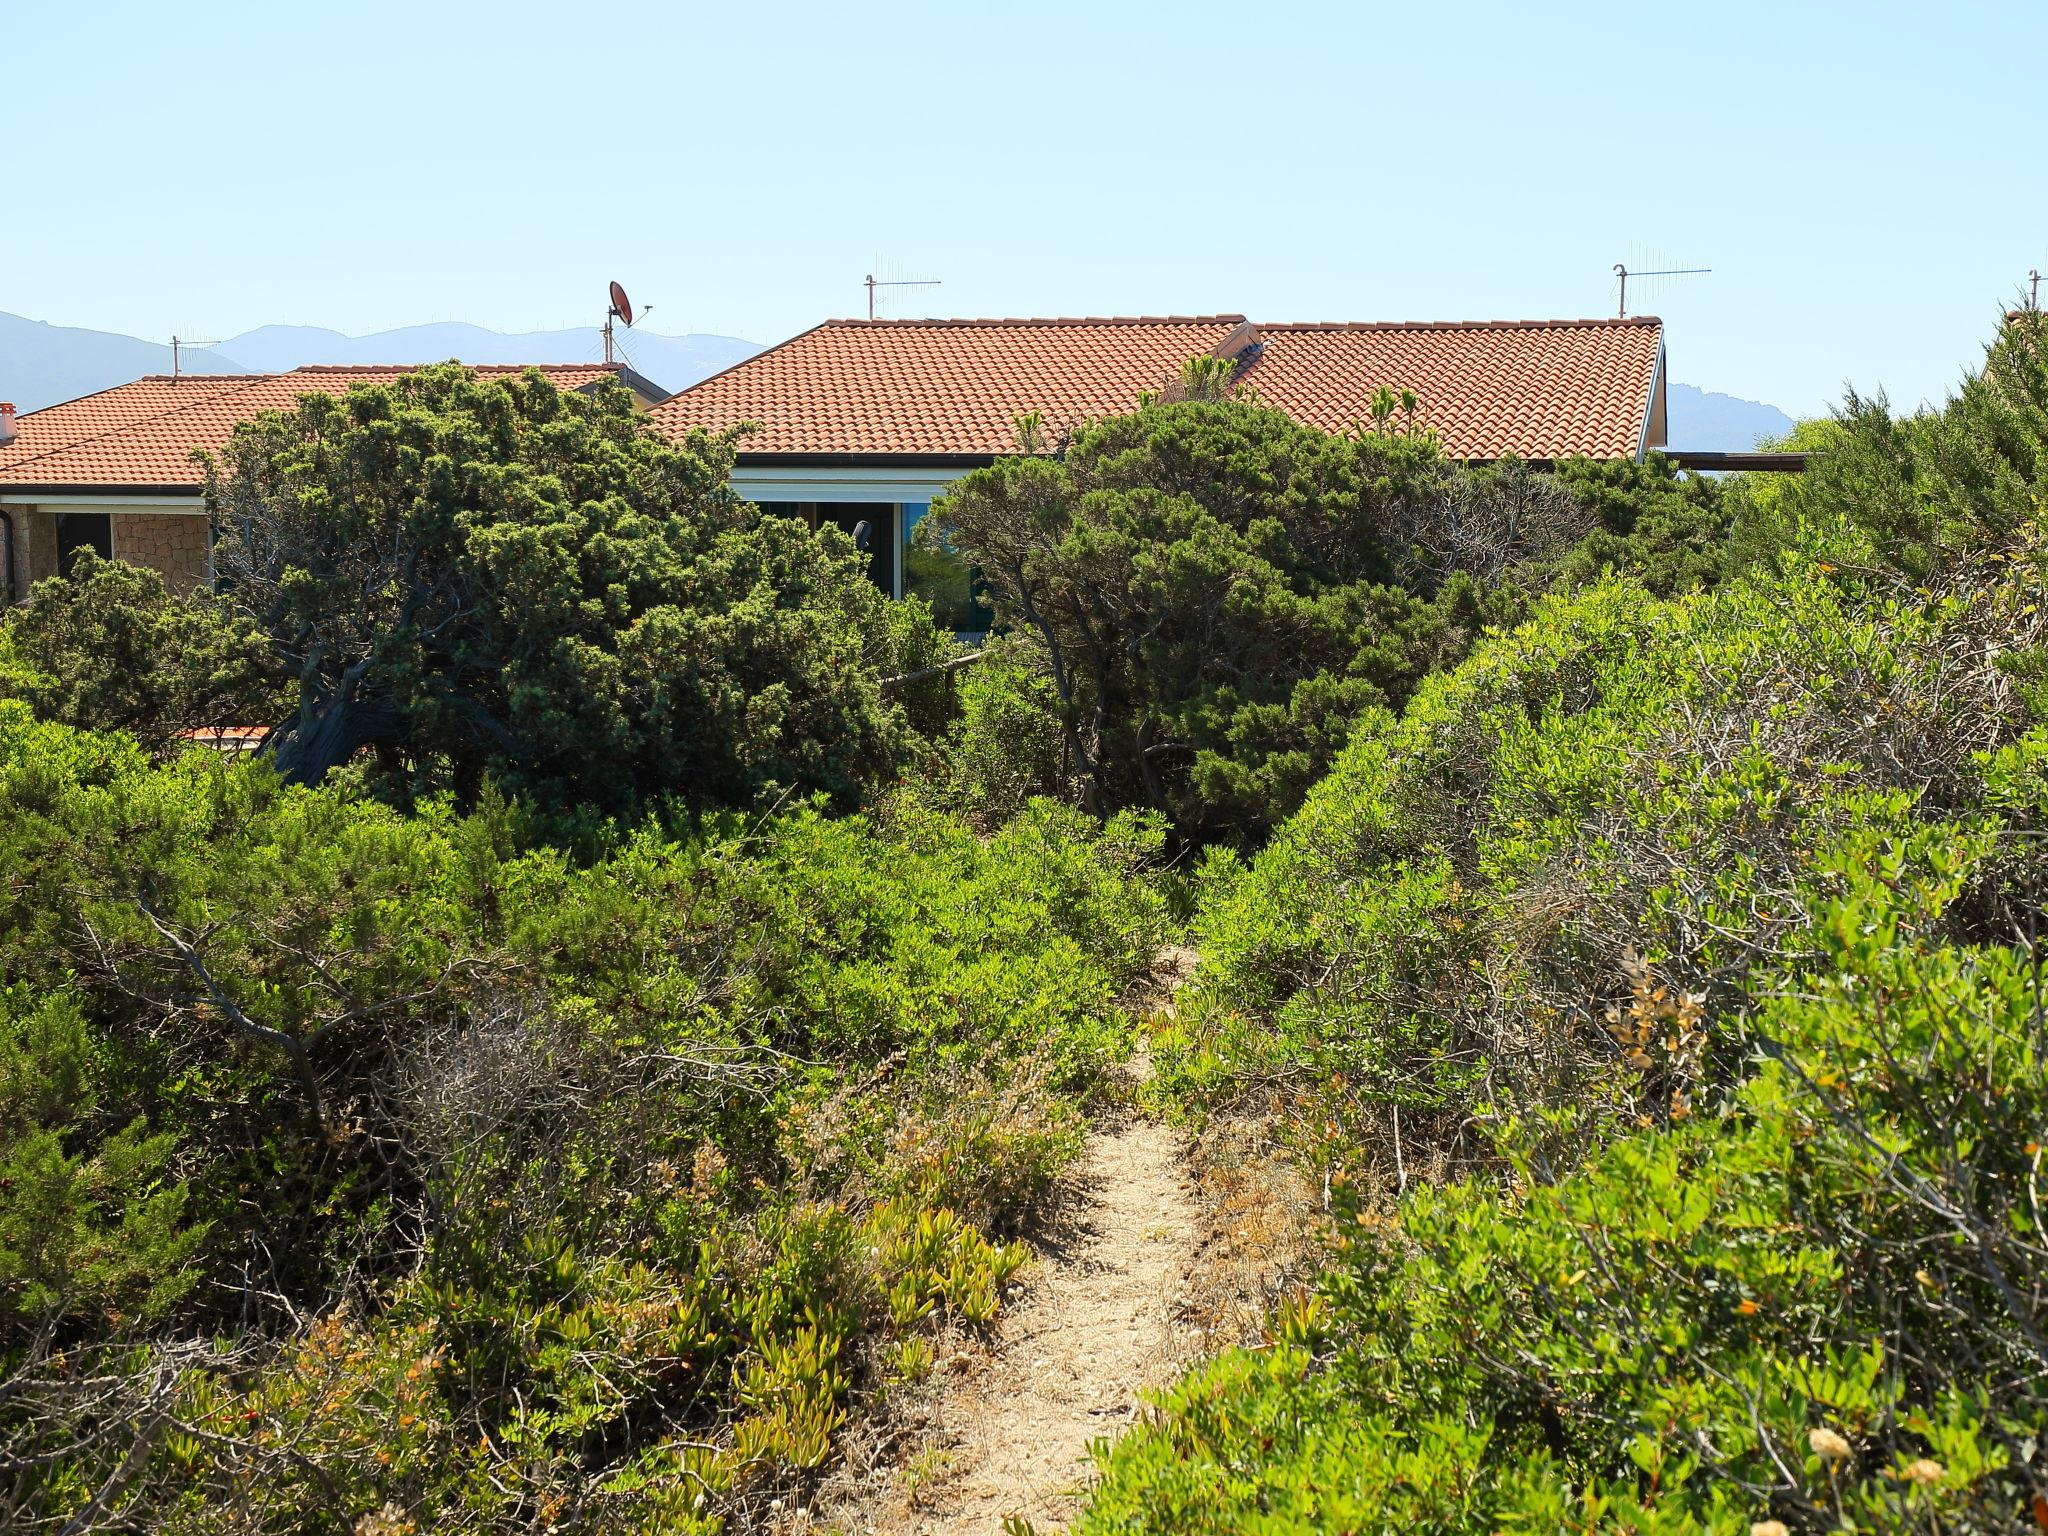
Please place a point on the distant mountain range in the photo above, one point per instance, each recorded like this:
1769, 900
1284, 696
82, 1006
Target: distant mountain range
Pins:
41, 364
1709, 423
673, 362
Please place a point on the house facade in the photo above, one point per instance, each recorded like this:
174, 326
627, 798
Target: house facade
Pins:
859, 422
868, 421
113, 472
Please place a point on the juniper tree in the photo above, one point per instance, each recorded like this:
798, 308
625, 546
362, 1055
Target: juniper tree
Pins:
496, 577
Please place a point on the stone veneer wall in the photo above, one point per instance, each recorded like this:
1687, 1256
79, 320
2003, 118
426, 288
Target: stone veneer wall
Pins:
14, 579
35, 548
174, 546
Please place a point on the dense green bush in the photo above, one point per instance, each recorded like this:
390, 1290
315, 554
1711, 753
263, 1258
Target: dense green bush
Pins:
1216, 594
1658, 998
494, 578
1940, 486
1007, 746
516, 1190
1662, 525
1796, 1298
107, 647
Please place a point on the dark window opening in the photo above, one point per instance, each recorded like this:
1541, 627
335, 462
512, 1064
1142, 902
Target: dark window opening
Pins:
878, 539
83, 530
872, 526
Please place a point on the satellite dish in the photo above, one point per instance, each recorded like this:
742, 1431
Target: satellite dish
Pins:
621, 305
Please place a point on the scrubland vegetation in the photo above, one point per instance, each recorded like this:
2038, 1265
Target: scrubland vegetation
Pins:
1659, 999
1620, 890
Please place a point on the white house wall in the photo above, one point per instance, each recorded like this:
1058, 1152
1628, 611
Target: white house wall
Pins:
898, 485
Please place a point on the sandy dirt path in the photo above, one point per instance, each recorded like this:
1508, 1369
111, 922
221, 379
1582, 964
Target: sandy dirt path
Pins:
1100, 1319
1094, 1328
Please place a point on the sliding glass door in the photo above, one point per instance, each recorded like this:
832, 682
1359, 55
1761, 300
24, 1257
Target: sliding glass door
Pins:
882, 529
943, 579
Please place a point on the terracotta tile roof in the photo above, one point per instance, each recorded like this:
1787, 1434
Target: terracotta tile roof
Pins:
141, 435
894, 387
899, 389
226, 738
1543, 389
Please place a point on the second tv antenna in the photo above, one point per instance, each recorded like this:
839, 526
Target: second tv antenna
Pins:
1622, 272
178, 347
901, 282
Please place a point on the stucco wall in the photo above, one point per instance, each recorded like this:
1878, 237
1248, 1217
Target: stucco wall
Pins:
174, 546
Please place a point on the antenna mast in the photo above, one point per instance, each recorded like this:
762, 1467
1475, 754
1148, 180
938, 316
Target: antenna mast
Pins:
911, 282
177, 346
2033, 288
1622, 272
621, 308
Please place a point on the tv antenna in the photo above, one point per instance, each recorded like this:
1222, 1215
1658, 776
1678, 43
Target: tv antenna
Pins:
2033, 288
901, 282
621, 309
1624, 274
177, 346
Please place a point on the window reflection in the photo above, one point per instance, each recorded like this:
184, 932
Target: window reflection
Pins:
942, 578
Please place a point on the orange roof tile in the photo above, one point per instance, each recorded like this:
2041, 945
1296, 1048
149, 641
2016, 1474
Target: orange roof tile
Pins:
142, 435
904, 389
1538, 389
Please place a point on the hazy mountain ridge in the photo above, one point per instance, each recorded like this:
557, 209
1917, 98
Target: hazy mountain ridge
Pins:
1707, 422
42, 364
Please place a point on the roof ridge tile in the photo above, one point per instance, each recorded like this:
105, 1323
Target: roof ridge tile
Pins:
1020, 322
1602, 322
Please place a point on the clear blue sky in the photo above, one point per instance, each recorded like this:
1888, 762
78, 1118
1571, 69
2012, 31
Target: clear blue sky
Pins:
1868, 182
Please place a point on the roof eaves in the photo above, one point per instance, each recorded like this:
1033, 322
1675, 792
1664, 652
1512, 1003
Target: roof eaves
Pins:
182, 490
865, 460
1650, 403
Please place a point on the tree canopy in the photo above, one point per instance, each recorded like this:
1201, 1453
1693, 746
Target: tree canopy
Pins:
496, 578
1218, 592
108, 647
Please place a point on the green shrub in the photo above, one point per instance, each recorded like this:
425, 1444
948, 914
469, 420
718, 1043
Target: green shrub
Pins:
1799, 1305
1214, 592
500, 1176
92, 1227
1667, 527
1658, 999
1008, 749
494, 578
106, 647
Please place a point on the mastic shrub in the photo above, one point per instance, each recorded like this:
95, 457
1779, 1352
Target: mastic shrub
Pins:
399, 1165
1658, 1000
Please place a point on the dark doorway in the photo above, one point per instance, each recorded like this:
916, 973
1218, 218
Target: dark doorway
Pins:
879, 539
83, 530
